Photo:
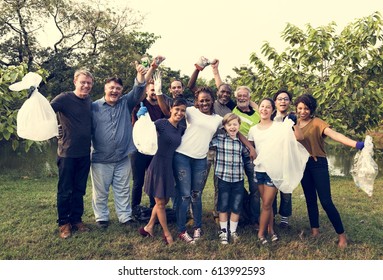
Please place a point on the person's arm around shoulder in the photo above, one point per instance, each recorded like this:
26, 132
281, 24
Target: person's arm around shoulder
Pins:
248, 145
254, 105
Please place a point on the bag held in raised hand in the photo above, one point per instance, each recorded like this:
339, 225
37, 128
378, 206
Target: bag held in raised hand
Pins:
36, 119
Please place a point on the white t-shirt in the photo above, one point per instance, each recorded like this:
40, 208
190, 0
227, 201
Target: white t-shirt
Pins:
199, 132
260, 137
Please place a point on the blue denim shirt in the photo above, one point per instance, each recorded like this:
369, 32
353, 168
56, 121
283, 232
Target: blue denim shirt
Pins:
112, 138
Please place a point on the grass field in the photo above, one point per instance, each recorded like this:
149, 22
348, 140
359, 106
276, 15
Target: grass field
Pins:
29, 230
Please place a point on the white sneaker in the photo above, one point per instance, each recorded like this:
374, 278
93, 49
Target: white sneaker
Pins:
234, 236
223, 236
197, 234
184, 236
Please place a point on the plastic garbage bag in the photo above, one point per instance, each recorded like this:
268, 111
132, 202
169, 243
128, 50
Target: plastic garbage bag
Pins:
36, 119
283, 157
145, 135
364, 169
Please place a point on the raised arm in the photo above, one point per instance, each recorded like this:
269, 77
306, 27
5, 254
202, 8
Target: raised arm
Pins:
153, 66
160, 97
199, 66
193, 79
217, 77
141, 72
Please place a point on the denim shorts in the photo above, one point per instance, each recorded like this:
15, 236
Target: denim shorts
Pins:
261, 178
230, 196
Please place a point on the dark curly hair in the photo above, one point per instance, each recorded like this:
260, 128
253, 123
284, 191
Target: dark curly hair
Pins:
207, 90
309, 101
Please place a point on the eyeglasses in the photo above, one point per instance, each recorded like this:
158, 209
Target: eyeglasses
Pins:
225, 91
283, 99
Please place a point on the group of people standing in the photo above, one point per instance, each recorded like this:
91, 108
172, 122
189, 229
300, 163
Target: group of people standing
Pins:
232, 136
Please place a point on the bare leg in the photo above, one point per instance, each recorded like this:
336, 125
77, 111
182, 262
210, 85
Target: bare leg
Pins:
314, 232
222, 217
342, 241
234, 217
161, 215
266, 219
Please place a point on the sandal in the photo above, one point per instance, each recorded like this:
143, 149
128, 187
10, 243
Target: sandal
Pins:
262, 240
274, 238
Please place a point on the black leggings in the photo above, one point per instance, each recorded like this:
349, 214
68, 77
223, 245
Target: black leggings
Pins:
316, 182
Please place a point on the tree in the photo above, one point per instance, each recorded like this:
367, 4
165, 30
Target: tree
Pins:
343, 71
81, 35
96, 36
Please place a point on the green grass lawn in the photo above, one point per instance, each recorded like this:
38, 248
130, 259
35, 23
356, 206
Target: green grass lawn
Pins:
29, 231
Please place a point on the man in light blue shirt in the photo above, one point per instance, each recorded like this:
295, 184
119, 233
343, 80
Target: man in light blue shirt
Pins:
112, 142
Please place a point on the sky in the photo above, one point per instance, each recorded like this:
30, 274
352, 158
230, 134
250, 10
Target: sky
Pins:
232, 30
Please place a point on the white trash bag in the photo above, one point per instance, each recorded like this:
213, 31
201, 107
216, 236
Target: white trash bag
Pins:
36, 119
145, 135
284, 158
364, 169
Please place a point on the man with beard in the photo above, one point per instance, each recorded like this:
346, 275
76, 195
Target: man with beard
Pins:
249, 117
140, 161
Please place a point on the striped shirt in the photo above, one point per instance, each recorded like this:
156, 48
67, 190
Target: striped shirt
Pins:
229, 164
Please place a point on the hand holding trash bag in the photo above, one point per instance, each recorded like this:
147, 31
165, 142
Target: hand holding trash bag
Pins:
142, 111
359, 145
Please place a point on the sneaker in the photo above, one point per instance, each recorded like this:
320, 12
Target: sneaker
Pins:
65, 231
184, 236
197, 234
80, 227
130, 222
234, 236
284, 225
223, 236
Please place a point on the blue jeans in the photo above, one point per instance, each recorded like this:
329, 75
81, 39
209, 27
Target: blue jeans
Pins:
255, 197
73, 175
118, 176
285, 205
316, 183
230, 196
190, 176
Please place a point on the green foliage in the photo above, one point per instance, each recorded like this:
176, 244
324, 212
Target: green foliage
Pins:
343, 71
96, 35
